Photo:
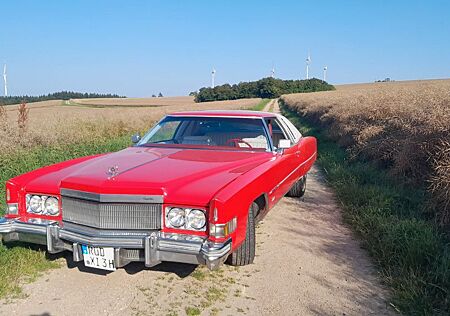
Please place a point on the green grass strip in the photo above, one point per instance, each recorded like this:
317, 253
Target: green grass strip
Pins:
261, 105
21, 263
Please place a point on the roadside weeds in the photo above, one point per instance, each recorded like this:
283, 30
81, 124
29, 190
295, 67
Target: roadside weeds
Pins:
412, 255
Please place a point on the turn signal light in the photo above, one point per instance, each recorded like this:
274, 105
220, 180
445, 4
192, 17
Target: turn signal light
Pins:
12, 209
223, 230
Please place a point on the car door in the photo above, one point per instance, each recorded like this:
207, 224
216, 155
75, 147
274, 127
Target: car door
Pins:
283, 173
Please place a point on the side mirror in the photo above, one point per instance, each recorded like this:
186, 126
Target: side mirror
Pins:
135, 138
282, 145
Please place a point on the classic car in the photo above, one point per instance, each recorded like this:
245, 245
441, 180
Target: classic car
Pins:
190, 191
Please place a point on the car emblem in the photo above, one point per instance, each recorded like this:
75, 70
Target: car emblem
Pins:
113, 171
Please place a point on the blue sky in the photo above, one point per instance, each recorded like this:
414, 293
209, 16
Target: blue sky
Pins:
137, 48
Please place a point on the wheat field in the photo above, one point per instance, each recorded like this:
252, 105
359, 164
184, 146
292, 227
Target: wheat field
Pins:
65, 122
403, 125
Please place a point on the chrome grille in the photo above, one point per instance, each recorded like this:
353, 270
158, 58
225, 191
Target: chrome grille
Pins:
112, 215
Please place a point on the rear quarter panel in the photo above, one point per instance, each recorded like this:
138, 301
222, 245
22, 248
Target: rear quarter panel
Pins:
308, 153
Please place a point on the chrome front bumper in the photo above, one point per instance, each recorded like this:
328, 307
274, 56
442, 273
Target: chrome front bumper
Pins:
149, 247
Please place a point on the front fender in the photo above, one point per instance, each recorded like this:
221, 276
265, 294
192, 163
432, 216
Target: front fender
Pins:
235, 199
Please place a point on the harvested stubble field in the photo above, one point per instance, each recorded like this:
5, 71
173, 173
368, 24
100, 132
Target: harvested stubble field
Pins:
58, 122
385, 148
405, 126
134, 102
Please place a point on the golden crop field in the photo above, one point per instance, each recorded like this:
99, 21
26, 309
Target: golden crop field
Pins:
403, 125
63, 122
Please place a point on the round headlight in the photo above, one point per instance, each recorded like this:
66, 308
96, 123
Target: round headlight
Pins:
176, 217
196, 219
51, 206
35, 204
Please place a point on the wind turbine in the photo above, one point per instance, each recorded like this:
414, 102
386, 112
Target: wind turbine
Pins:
272, 72
5, 80
213, 76
308, 62
325, 73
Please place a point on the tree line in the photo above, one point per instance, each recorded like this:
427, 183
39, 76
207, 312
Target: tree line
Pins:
263, 88
63, 95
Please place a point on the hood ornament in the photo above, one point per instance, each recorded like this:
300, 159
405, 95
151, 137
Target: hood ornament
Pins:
113, 171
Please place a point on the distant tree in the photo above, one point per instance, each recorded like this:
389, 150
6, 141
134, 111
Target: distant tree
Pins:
153, 95
160, 95
205, 95
193, 94
264, 88
268, 88
63, 95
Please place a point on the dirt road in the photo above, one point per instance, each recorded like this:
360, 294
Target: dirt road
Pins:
308, 263
271, 106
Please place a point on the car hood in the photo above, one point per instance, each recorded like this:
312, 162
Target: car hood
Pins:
182, 176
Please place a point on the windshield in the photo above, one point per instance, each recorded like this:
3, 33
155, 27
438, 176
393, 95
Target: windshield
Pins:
210, 132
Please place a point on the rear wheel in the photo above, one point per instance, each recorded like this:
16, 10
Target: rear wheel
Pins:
299, 188
245, 254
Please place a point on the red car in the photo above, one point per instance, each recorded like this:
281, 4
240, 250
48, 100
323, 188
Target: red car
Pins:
190, 190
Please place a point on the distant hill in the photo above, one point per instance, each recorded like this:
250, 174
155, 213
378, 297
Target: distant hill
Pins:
63, 95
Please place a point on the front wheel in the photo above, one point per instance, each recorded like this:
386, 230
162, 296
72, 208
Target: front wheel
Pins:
299, 188
245, 254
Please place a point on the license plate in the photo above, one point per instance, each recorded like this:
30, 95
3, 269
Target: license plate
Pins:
99, 257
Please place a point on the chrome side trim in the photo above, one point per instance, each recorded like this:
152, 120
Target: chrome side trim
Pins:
112, 198
290, 174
